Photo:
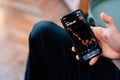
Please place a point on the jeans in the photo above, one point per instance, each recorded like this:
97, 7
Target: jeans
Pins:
50, 57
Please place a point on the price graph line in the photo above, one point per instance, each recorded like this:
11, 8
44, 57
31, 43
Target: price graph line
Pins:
84, 42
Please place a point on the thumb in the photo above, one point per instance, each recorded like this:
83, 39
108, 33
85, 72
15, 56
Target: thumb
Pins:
109, 22
93, 60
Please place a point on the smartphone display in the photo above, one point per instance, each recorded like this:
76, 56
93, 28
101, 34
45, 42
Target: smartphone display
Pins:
84, 41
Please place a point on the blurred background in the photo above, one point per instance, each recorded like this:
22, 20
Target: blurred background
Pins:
17, 18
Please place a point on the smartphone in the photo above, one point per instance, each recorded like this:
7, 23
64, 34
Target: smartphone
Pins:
83, 38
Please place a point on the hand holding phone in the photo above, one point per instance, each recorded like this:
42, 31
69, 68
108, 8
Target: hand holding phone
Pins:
83, 38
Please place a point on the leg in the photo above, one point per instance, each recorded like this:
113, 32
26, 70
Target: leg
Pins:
104, 69
50, 54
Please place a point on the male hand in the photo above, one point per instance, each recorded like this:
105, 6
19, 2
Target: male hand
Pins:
108, 38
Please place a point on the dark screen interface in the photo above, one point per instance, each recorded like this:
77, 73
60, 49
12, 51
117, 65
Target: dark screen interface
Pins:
83, 40
81, 34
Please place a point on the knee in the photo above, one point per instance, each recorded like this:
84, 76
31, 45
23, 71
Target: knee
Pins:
39, 28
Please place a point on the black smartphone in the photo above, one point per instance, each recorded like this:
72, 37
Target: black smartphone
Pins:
83, 38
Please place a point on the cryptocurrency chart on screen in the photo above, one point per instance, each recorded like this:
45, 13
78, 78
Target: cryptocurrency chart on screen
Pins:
84, 42
83, 39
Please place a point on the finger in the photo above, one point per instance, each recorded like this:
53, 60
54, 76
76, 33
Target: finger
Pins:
97, 32
109, 21
73, 49
93, 60
77, 57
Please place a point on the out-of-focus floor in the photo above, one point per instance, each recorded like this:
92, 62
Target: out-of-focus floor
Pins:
17, 18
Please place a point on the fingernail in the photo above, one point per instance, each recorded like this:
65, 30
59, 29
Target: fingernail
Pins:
102, 13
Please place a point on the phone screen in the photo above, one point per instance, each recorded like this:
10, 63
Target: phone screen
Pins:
81, 34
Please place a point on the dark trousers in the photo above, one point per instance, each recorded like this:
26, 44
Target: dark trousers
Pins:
50, 58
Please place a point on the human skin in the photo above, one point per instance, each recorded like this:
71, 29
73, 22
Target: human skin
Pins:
108, 38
